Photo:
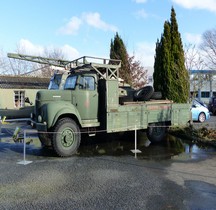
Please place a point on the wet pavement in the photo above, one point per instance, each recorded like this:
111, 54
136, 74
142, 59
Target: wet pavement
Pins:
110, 145
105, 173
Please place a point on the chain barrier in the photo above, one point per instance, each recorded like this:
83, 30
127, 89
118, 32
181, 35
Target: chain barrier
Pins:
22, 138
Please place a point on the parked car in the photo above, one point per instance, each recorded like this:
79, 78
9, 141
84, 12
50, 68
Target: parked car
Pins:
199, 111
212, 105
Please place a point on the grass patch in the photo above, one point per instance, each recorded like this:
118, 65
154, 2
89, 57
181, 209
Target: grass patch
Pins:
201, 135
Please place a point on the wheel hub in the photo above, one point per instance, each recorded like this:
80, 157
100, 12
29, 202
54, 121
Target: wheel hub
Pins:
67, 138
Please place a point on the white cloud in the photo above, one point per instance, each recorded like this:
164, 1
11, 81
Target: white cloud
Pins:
197, 4
145, 52
71, 27
91, 19
140, 1
70, 52
25, 46
94, 20
193, 38
142, 14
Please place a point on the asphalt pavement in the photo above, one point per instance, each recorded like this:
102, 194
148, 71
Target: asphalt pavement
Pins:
105, 174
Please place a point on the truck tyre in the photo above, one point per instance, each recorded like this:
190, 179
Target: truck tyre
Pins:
156, 95
156, 132
123, 99
66, 137
144, 93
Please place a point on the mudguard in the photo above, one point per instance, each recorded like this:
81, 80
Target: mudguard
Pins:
57, 109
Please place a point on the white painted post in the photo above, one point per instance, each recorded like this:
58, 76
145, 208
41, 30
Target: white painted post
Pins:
24, 161
135, 151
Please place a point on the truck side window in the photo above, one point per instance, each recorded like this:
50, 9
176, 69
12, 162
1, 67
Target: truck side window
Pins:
87, 83
70, 83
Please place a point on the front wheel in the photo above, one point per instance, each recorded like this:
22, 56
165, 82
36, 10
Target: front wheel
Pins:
66, 137
156, 132
201, 117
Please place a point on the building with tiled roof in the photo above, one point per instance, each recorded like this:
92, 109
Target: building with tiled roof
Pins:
18, 93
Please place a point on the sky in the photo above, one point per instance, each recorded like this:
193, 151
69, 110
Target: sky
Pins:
86, 27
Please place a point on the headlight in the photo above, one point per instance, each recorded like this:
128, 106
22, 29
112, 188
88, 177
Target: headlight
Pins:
32, 115
39, 118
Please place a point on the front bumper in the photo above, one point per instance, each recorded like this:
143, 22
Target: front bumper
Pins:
39, 126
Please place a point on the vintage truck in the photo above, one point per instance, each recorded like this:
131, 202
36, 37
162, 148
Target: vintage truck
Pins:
92, 99
90, 102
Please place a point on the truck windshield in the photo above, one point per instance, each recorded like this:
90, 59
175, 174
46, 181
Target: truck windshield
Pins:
70, 83
54, 82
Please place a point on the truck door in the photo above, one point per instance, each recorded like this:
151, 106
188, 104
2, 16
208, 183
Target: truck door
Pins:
87, 97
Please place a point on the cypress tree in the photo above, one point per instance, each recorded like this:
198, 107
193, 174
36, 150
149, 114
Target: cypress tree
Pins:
170, 75
118, 51
162, 63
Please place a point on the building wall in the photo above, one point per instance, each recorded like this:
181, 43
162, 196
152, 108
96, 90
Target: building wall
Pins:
202, 91
203, 86
7, 97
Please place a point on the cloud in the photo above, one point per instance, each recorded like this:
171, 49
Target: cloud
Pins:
197, 4
140, 1
141, 14
193, 38
70, 52
145, 52
25, 46
92, 19
71, 27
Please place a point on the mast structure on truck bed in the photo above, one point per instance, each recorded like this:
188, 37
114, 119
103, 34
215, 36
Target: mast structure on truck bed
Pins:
39, 59
105, 68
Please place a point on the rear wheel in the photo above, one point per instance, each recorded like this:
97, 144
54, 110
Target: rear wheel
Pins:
66, 137
202, 117
156, 132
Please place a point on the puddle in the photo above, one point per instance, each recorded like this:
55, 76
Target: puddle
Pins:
171, 148
118, 145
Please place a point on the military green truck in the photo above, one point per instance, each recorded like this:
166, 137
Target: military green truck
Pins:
91, 98
92, 101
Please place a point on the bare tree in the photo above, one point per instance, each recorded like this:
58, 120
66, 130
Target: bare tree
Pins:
208, 46
55, 53
19, 67
3, 63
195, 60
22, 67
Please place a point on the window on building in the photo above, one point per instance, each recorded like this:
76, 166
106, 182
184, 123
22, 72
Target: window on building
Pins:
19, 98
205, 94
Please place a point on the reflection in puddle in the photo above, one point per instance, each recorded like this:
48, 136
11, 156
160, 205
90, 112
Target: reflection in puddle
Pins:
199, 151
119, 145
